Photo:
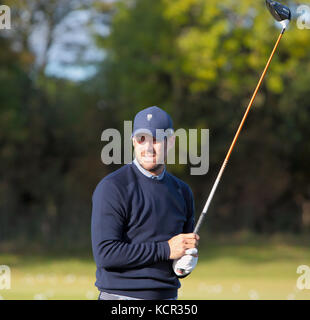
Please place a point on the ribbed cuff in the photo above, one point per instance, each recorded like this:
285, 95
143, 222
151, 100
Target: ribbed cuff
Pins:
163, 250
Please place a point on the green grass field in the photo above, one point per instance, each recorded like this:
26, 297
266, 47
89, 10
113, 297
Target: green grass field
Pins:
236, 269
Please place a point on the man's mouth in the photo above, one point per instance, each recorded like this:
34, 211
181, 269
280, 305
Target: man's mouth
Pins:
149, 156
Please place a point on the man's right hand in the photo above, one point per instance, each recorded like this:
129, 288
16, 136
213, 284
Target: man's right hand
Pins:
180, 243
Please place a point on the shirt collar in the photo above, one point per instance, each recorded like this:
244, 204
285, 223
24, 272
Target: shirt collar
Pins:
147, 173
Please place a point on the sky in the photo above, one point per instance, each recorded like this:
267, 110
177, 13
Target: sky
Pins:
74, 42
74, 54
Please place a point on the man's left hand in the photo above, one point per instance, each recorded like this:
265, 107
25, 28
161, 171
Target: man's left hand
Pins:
186, 264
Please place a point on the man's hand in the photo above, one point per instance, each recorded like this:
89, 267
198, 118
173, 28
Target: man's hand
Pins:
180, 243
185, 265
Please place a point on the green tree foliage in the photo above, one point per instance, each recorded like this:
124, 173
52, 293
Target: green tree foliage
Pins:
49, 140
201, 61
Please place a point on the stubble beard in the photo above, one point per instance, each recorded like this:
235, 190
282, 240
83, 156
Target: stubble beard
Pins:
157, 168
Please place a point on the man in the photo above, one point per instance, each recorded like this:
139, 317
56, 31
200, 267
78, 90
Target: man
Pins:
143, 219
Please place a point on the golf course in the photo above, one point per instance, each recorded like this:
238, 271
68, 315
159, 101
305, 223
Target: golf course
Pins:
238, 268
133, 131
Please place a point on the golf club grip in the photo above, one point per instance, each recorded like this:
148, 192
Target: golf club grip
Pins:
205, 209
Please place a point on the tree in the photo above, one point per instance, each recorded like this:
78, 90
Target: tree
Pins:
201, 61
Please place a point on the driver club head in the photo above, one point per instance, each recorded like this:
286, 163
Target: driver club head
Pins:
279, 11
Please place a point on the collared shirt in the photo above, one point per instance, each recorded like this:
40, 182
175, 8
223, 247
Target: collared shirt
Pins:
147, 173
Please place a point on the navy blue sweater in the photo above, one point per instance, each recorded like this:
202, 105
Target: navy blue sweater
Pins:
133, 217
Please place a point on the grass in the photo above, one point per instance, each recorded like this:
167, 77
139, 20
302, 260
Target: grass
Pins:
229, 268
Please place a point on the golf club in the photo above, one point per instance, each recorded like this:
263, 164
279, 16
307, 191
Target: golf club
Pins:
282, 14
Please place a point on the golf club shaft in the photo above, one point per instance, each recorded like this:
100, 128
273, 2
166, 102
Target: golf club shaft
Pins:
205, 209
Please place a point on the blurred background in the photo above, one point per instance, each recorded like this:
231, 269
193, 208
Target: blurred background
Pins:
71, 69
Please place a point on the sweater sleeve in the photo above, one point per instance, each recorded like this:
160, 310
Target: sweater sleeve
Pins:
107, 231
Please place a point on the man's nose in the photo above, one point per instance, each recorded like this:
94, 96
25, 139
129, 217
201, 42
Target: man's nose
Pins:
149, 145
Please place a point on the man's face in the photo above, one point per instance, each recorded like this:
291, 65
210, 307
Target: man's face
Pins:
149, 152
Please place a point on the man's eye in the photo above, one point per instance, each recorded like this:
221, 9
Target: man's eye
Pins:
141, 139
